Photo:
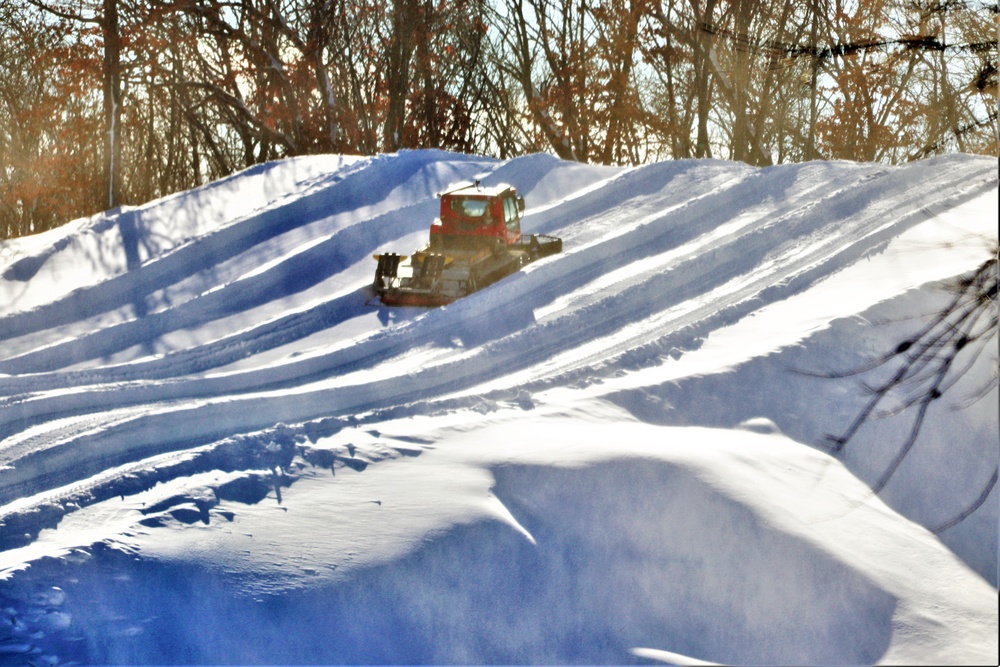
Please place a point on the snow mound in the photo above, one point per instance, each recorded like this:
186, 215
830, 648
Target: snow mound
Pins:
213, 438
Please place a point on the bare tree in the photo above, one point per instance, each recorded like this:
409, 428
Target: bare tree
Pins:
106, 17
184, 91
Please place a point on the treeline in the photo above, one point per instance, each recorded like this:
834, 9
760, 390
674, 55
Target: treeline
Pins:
104, 102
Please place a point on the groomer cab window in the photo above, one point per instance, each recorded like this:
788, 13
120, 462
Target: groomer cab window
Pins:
510, 214
470, 207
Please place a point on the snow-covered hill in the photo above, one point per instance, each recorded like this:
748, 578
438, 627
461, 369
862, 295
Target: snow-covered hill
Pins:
215, 448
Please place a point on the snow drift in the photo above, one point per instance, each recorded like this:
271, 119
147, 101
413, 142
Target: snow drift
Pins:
214, 447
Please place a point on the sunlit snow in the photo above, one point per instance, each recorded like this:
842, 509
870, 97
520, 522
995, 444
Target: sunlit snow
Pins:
216, 447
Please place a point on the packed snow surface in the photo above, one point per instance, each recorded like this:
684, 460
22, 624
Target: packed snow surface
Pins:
216, 447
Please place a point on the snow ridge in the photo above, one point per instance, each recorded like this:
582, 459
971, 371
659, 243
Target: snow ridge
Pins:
219, 350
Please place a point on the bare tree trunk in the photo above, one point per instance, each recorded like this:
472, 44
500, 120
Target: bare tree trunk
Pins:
112, 104
704, 27
620, 66
401, 44
811, 152
524, 65
314, 48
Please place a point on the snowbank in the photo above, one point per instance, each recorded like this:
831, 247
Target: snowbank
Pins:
213, 441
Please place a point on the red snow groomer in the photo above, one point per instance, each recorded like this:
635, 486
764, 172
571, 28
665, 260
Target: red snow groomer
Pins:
476, 241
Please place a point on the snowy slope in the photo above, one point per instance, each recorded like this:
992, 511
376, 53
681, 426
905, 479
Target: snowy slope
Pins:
615, 455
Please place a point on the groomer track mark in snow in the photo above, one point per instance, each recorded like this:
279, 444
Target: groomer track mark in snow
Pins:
224, 341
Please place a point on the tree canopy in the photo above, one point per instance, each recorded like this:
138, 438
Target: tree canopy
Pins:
104, 102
